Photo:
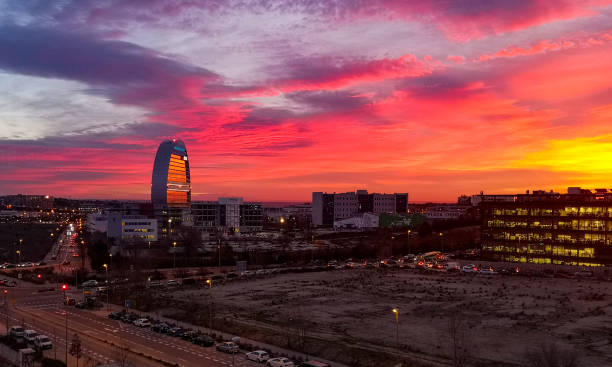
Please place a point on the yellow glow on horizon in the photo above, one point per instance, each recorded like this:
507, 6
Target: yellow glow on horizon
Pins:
587, 155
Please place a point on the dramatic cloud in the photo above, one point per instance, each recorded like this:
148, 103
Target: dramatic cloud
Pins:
276, 99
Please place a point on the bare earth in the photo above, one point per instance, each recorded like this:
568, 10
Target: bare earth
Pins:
498, 318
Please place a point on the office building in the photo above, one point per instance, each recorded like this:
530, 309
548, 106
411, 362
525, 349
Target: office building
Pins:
328, 208
549, 228
171, 182
227, 215
124, 227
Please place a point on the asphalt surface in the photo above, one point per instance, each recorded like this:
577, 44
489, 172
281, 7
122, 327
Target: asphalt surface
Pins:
41, 308
103, 340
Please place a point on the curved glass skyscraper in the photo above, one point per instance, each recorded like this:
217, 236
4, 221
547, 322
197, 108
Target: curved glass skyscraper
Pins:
171, 184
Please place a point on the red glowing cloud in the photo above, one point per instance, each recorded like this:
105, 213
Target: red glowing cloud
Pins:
500, 96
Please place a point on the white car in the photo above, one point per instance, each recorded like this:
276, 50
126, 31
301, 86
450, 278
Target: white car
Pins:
258, 356
90, 283
142, 323
30, 336
42, 342
228, 347
487, 271
469, 269
279, 362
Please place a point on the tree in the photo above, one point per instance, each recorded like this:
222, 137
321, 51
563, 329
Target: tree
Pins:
75, 348
458, 342
550, 355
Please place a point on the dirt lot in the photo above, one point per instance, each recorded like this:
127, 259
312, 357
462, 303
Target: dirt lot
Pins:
347, 316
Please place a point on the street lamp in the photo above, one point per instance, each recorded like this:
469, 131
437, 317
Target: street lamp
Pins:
19, 256
6, 309
107, 287
442, 241
408, 241
209, 282
396, 313
64, 289
174, 254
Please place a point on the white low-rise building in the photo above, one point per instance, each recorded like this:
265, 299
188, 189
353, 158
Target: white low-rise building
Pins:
362, 221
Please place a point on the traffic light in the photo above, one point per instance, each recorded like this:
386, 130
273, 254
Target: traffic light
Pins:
6, 291
39, 276
64, 287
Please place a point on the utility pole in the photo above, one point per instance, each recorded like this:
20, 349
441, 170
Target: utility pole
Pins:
219, 251
6, 309
65, 288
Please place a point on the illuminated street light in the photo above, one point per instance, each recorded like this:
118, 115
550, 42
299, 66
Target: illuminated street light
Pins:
107, 290
174, 254
396, 313
209, 282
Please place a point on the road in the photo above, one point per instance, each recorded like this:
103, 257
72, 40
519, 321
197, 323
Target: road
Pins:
103, 340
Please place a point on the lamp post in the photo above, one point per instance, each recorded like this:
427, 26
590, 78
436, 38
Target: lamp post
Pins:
169, 227
408, 241
64, 289
6, 309
396, 313
19, 256
107, 288
219, 252
174, 254
209, 282
442, 241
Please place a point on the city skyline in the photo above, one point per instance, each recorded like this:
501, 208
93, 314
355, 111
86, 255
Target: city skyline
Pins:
276, 100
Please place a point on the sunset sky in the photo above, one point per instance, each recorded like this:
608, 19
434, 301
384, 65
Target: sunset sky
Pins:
276, 99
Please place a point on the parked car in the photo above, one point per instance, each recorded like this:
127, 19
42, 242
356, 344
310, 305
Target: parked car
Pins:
81, 305
227, 347
43, 342
29, 336
469, 269
175, 331
279, 362
160, 327
115, 315
204, 341
189, 335
258, 356
172, 283
90, 283
142, 323
129, 318
487, 271
17, 332
69, 301
10, 283
314, 364
453, 266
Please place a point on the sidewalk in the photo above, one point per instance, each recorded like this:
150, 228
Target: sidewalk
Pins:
277, 351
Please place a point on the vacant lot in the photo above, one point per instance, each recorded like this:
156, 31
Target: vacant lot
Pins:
37, 241
347, 315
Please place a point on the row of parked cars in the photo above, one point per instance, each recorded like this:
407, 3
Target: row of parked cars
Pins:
30, 337
203, 340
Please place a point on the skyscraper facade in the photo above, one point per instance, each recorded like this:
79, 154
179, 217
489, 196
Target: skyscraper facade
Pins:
171, 182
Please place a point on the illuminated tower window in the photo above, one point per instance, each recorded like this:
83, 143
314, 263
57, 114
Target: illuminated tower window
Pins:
171, 184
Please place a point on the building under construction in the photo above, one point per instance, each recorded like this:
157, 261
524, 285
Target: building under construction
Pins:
549, 228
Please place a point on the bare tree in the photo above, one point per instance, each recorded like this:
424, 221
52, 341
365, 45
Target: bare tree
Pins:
550, 355
458, 341
122, 355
